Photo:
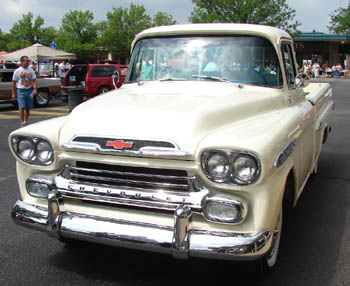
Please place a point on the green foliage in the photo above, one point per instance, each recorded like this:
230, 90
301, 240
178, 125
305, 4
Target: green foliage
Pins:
268, 12
121, 27
163, 19
340, 21
28, 31
78, 34
2, 41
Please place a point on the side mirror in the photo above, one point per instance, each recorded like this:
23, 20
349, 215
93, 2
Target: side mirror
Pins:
302, 80
115, 78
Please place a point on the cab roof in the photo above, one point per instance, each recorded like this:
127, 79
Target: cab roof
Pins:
268, 32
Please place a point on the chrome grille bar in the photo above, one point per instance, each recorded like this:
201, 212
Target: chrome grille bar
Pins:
101, 171
130, 177
138, 182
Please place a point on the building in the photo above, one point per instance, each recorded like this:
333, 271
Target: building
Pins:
328, 49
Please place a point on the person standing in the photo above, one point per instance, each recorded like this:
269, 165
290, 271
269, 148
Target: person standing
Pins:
62, 70
24, 79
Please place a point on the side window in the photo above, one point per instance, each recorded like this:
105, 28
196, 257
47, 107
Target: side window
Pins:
289, 64
102, 71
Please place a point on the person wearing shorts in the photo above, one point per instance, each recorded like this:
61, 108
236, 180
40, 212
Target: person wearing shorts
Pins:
24, 80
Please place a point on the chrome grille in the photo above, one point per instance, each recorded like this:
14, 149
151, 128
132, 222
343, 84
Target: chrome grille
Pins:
127, 177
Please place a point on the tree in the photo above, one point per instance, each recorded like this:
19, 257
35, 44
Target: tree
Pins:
340, 21
121, 27
123, 24
2, 41
78, 34
28, 31
163, 19
268, 12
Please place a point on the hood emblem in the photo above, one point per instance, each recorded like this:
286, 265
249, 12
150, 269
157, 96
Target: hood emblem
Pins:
119, 144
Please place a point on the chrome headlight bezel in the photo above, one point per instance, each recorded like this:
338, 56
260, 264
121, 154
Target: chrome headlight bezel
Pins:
36, 152
232, 175
226, 205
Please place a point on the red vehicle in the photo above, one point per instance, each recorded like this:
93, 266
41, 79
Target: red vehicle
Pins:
95, 78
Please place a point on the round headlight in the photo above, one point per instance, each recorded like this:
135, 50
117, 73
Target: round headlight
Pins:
44, 151
26, 150
244, 168
217, 166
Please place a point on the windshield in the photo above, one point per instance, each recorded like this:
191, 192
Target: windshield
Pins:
240, 59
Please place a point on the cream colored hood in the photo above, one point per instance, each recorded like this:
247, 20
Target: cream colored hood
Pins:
180, 112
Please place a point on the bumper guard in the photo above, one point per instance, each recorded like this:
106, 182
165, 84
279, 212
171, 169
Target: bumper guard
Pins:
180, 241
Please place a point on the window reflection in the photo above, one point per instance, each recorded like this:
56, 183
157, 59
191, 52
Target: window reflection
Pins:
242, 59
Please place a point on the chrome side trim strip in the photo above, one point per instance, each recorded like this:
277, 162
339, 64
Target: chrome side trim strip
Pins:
285, 153
181, 240
323, 117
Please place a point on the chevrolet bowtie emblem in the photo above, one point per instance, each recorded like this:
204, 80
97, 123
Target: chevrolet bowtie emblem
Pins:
119, 144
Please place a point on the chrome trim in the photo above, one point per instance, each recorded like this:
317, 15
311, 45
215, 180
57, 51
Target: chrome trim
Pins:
182, 219
56, 208
129, 173
114, 180
180, 240
34, 160
323, 117
159, 199
285, 153
147, 150
227, 202
41, 181
34, 217
133, 179
230, 178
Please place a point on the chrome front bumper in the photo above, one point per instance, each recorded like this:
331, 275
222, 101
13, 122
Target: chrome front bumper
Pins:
181, 241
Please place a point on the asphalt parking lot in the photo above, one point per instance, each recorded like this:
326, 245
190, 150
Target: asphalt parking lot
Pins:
315, 249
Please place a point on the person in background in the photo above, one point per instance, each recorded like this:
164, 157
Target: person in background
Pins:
24, 79
334, 71
33, 67
338, 69
55, 69
62, 71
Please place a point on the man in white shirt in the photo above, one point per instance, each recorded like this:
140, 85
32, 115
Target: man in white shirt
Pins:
62, 70
24, 79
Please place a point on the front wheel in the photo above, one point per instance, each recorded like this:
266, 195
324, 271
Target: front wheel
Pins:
265, 264
42, 98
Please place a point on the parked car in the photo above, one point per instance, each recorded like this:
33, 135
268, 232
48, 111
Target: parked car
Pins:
202, 152
95, 78
46, 88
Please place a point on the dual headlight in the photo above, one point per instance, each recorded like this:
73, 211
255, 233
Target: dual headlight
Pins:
33, 150
230, 167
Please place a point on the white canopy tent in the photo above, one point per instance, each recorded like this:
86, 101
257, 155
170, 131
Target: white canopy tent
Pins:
38, 52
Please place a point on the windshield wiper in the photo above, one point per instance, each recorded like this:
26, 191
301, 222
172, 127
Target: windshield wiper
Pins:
240, 85
172, 79
211, 77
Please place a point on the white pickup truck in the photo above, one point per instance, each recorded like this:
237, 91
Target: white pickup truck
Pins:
200, 153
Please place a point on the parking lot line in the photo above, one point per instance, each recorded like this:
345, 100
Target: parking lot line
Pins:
63, 108
47, 113
4, 116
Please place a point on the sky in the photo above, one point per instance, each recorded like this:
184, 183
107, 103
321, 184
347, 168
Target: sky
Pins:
312, 14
